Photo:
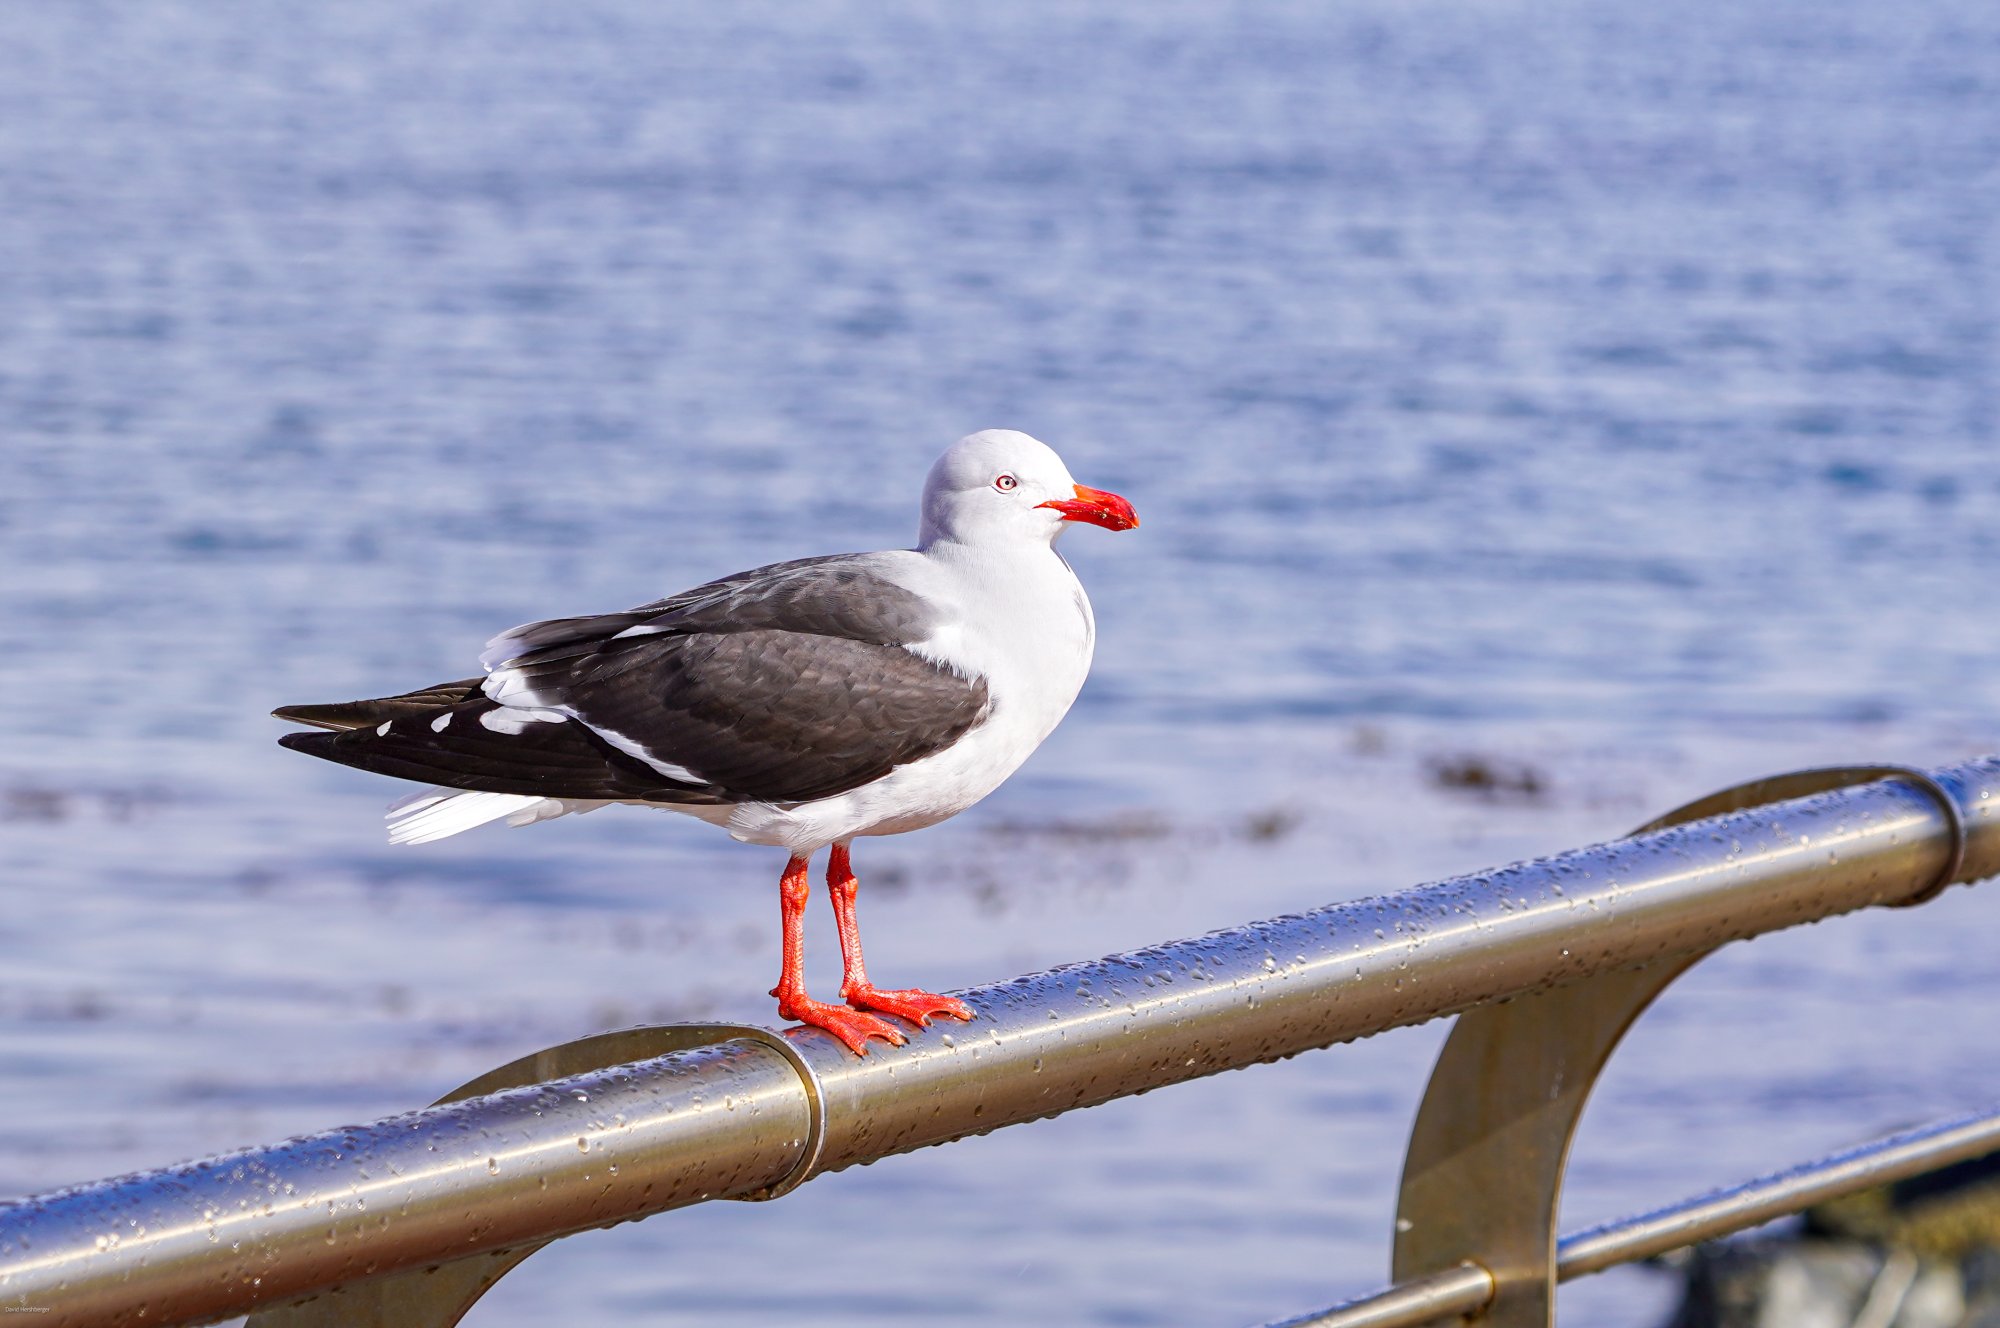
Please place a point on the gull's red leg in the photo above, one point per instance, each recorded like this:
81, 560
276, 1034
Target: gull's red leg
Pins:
907, 1003
850, 1026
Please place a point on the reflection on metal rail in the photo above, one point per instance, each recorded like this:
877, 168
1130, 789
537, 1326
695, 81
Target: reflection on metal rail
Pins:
447, 1198
1468, 1288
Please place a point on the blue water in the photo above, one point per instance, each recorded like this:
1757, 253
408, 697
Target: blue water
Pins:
1604, 390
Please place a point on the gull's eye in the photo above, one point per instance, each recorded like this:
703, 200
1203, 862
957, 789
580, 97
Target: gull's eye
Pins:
1006, 484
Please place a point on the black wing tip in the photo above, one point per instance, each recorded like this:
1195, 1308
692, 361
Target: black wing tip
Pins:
314, 715
341, 715
312, 744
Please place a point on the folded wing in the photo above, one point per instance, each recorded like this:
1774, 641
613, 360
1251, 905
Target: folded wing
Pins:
785, 684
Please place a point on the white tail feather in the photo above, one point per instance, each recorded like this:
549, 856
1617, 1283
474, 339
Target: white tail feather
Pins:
439, 813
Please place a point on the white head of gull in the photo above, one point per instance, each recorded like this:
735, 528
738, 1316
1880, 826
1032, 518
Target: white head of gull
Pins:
801, 705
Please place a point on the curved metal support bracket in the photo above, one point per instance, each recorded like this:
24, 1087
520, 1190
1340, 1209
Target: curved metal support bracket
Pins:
439, 1296
1482, 1180
1483, 1177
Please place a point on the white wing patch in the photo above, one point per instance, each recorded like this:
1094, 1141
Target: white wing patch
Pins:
637, 750
513, 719
521, 705
509, 688
504, 647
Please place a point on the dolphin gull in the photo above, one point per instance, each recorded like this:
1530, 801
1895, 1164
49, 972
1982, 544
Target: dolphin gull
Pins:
799, 705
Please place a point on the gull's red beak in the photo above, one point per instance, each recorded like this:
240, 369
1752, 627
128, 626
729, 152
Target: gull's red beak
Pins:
1096, 507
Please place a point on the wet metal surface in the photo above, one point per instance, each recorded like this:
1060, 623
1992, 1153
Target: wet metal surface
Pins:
1449, 1294
1089, 1032
1483, 1176
1740, 1207
438, 1296
726, 1121
196, 1242
1463, 1289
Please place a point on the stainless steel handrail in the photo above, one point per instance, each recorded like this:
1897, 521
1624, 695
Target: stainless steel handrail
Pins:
1467, 1288
268, 1225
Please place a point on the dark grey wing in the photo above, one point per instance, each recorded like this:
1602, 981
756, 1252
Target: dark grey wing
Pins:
767, 715
783, 684
839, 596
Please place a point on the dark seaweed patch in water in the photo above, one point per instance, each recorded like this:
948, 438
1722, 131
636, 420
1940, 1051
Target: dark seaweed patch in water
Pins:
227, 541
1491, 777
37, 802
1117, 828
1268, 827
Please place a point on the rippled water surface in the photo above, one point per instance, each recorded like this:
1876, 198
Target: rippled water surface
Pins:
1603, 396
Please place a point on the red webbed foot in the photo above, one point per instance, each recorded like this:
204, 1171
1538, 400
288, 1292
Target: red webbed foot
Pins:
907, 1003
850, 1026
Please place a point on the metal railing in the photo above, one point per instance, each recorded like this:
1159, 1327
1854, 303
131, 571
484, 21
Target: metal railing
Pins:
408, 1220
1469, 1287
